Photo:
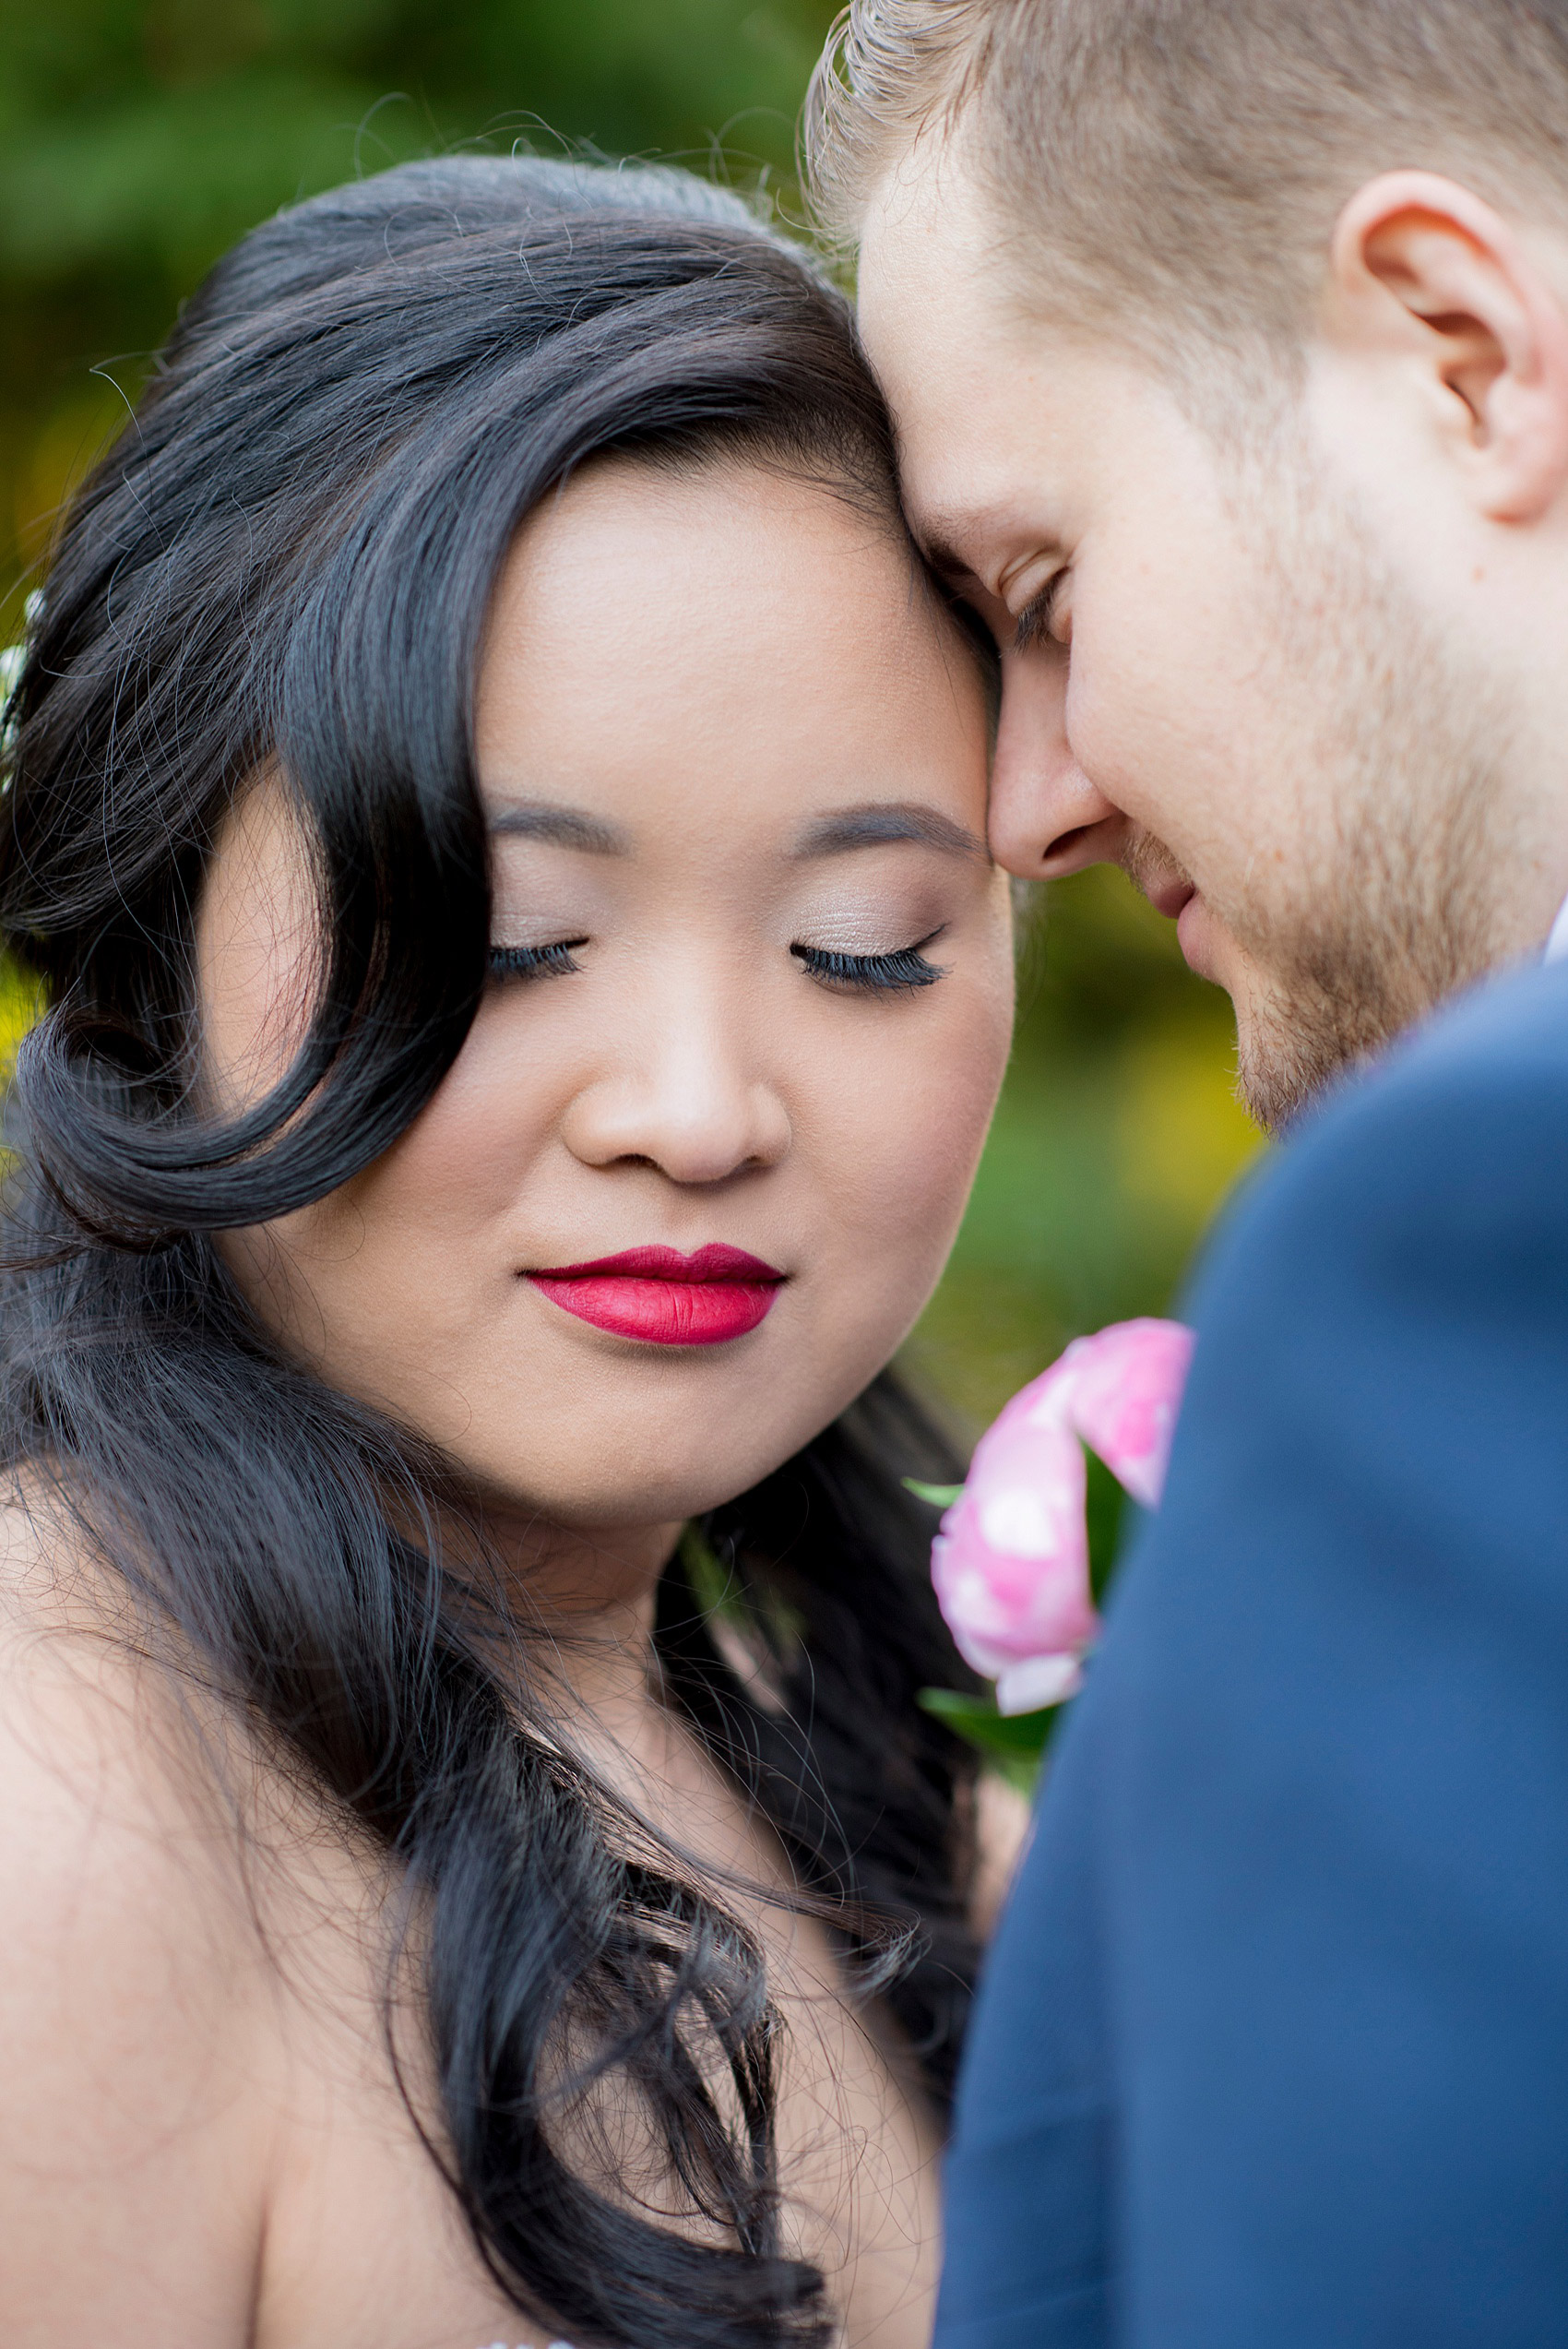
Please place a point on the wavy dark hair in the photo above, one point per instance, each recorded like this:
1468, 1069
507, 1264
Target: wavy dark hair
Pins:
285, 563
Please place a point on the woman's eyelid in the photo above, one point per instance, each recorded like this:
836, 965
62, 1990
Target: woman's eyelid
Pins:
896, 948
903, 971
515, 924
534, 961
880, 900
858, 929
868, 941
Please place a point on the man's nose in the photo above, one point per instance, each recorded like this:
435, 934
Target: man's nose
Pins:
1046, 816
683, 1094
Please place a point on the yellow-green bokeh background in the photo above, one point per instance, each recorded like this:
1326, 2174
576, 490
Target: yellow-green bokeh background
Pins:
138, 138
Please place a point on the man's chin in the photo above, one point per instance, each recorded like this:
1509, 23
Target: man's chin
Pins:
1296, 1032
1290, 1048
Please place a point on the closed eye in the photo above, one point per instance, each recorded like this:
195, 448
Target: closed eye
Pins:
893, 973
533, 961
1033, 623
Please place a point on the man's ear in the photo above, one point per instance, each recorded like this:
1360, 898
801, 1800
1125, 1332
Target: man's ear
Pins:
1423, 266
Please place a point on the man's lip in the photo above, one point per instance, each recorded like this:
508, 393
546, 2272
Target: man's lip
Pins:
1195, 940
1170, 897
716, 1261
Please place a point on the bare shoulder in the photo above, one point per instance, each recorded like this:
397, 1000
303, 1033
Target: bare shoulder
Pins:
97, 1731
202, 2138
130, 1993
120, 1855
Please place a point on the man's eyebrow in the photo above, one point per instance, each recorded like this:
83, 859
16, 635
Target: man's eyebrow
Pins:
944, 559
941, 538
879, 822
540, 819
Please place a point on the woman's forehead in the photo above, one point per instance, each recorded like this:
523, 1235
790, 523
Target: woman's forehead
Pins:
728, 631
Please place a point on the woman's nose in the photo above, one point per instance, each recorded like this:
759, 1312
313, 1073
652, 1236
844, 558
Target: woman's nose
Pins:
685, 1096
1046, 816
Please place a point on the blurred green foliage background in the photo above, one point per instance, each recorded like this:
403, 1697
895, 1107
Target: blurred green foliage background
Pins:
139, 138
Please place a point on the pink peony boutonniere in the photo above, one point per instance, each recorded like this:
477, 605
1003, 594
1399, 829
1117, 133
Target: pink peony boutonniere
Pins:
1011, 1564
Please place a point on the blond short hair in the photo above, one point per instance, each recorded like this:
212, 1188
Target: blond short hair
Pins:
1183, 161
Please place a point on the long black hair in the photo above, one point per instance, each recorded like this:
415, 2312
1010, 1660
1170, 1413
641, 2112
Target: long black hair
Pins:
284, 565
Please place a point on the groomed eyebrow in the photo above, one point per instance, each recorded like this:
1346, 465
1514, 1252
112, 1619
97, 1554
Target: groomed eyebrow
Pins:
879, 822
541, 819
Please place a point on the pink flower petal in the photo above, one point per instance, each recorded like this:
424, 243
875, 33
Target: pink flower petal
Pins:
1127, 1394
1039, 1681
1011, 1563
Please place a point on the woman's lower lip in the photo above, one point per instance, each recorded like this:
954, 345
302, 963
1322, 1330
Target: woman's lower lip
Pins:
662, 1313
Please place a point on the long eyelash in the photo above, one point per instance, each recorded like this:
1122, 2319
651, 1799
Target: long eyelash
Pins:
1034, 621
884, 973
533, 961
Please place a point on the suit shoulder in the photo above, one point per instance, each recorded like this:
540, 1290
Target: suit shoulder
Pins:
1460, 1129
1503, 1045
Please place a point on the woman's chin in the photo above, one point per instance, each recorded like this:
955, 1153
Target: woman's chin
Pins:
639, 1500
609, 1448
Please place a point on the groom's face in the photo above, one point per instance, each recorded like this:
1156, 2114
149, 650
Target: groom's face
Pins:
1211, 674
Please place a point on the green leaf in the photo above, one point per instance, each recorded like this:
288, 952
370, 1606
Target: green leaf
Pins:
712, 1583
977, 1719
939, 1496
726, 1598
1012, 1744
1105, 1516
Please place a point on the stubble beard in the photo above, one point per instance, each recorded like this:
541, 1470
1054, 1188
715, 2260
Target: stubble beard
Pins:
1393, 894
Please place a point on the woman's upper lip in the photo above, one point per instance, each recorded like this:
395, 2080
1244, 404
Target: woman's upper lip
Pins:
716, 1261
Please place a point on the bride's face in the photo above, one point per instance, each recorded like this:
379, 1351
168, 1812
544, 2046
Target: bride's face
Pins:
750, 1008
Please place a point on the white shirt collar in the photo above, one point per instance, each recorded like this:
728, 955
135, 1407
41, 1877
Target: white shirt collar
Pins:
1557, 945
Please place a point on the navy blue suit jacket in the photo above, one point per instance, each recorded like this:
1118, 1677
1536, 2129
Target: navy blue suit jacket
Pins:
1272, 2050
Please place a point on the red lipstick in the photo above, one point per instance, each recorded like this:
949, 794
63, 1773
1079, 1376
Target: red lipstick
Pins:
665, 1298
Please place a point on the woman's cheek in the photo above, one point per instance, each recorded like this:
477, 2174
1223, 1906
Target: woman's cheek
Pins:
410, 1259
904, 1172
471, 1158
